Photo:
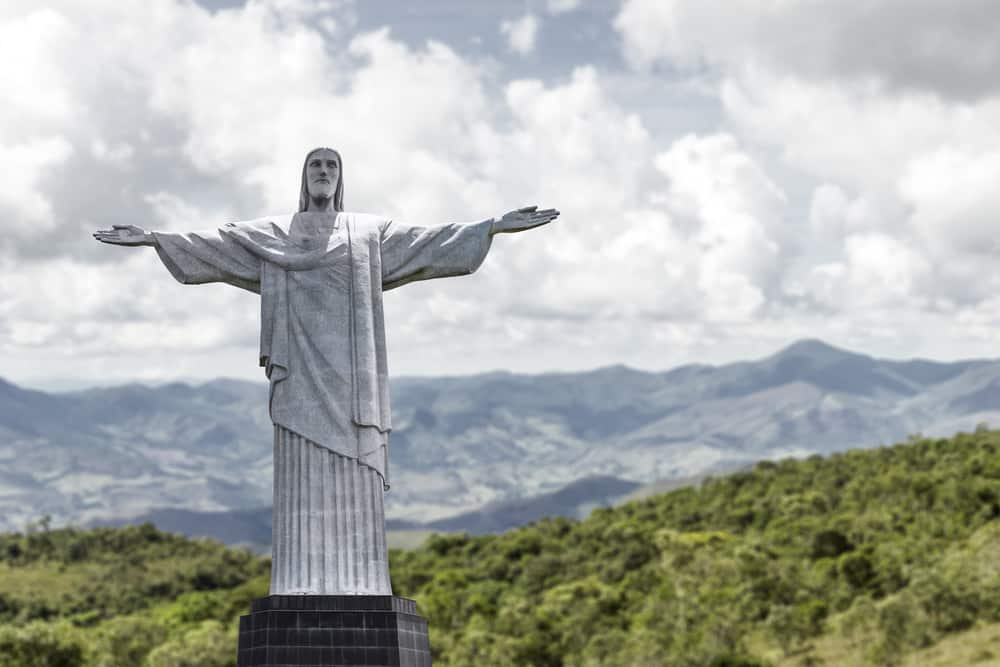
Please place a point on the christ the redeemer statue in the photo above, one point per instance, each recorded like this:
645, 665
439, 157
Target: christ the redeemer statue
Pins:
320, 274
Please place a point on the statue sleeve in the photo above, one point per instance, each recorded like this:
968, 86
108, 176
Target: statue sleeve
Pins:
195, 258
411, 252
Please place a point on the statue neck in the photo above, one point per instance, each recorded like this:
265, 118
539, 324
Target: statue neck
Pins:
321, 205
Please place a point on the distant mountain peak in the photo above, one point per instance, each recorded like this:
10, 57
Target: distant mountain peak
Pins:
816, 349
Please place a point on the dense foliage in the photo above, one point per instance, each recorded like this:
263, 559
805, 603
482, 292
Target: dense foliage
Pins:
122, 598
884, 551
899, 545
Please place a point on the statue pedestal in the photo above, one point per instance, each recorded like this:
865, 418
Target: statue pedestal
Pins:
333, 631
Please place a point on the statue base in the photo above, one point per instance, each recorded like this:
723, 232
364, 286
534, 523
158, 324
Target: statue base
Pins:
333, 631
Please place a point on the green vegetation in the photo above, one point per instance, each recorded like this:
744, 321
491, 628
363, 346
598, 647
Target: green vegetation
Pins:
122, 598
881, 557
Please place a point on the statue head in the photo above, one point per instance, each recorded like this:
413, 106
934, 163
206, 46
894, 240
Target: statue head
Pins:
322, 177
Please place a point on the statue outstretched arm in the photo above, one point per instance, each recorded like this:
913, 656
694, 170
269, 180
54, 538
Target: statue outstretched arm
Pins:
521, 219
193, 258
127, 235
412, 252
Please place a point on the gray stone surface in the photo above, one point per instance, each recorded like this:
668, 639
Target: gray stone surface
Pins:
328, 522
333, 631
320, 273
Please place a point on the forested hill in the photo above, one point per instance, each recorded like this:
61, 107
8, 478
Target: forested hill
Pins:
867, 557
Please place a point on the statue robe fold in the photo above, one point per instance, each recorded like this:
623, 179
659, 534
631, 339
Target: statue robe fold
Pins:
322, 344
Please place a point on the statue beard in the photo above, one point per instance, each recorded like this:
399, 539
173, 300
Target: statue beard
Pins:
321, 202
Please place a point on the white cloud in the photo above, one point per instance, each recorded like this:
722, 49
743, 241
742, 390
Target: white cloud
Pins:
561, 6
24, 204
878, 276
884, 269
857, 135
34, 45
955, 200
828, 212
521, 33
426, 137
890, 109
916, 167
669, 249
732, 209
118, 155
210, 123
919, 45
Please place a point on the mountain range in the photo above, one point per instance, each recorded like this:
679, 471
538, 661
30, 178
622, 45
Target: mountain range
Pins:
474, 447
252, 527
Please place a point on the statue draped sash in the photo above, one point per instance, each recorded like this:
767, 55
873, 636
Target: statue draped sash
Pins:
378, 254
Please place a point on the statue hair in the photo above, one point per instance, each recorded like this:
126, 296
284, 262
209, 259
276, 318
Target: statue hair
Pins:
338, 194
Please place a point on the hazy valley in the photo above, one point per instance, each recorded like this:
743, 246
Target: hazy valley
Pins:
477, 445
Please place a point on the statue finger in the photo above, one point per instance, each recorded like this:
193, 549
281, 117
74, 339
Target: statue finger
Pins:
527, 209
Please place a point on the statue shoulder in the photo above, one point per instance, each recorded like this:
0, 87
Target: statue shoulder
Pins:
265, 224
365, 223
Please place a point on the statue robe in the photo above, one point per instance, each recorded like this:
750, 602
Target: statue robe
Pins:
322, 344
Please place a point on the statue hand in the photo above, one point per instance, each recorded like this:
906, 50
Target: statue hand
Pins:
125, 235
523, 218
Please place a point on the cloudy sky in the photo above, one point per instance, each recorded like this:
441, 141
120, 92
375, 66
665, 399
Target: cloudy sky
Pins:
733, 174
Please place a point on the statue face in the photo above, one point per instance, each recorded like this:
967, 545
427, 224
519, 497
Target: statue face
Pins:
322, 174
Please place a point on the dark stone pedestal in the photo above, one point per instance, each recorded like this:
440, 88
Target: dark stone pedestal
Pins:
333, 631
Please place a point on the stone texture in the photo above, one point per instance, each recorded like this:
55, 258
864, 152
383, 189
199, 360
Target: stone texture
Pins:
320, 273
322, 330
333, 631
329, 524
